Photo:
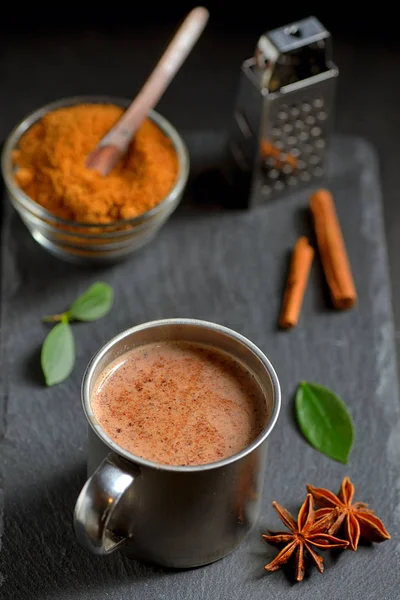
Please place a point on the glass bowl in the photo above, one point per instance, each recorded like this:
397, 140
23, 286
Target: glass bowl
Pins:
91, 243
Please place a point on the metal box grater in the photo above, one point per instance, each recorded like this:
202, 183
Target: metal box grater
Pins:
283, 114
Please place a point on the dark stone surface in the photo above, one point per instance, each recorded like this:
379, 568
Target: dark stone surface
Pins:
227, 267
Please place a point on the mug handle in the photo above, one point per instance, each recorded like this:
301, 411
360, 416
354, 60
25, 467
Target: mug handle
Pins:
96, 505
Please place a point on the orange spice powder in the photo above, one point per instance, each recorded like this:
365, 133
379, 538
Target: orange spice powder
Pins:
51, 167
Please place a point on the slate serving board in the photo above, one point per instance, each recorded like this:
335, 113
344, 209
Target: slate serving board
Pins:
228, 267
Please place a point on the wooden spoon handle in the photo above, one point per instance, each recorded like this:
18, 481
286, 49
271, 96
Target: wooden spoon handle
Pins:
168, 65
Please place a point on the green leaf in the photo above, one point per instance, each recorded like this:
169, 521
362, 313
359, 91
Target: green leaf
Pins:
324, 420
93, 304
58, 354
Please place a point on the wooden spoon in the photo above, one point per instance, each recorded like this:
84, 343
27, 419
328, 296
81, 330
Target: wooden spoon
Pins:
115, 143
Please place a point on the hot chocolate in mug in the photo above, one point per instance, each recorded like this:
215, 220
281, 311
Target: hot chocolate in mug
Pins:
175, 516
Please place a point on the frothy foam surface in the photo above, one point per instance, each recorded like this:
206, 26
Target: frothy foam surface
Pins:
179, 403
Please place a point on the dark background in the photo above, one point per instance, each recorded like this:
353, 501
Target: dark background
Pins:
52, 50
340, 18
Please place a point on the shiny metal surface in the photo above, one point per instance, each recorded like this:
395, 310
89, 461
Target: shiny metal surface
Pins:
99, 496
91, 244
283, 114
175, 516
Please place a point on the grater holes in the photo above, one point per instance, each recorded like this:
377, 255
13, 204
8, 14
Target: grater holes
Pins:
287, 169
316, 131
318, 103
298, 131
270, 161
304, 136
301, 165
279, 185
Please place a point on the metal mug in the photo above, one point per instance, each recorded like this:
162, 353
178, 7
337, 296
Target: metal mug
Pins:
175, 516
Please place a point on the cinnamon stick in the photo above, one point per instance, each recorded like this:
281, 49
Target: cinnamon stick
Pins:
332, 250
299, 271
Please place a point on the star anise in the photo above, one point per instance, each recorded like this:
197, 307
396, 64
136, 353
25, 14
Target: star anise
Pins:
354, 520
304, 534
